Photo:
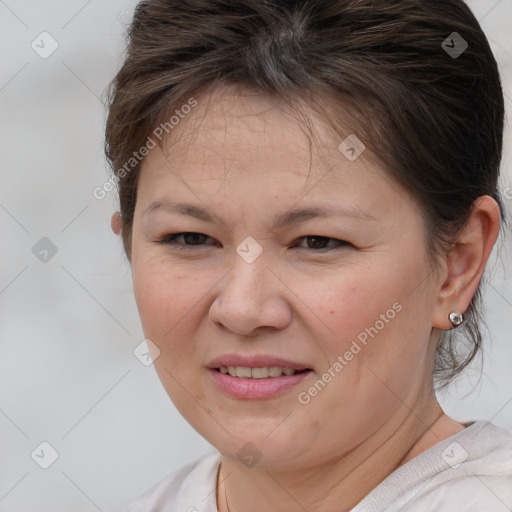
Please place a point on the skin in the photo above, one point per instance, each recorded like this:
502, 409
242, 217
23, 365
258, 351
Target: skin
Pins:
245, 160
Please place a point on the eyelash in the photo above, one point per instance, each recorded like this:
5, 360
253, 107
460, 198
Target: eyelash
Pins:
168, 240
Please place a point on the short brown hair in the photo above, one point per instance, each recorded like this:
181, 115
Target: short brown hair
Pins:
433, 117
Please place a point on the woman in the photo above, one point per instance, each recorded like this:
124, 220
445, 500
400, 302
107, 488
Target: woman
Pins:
308, 199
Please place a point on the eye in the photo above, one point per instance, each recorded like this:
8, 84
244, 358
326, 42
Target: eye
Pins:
190, 239
318, 243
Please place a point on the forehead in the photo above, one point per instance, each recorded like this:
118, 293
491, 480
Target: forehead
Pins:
244, 141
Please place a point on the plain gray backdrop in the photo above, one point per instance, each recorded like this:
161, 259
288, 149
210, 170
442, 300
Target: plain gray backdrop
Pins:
68, 320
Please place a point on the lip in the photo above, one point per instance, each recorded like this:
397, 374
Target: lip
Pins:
243, 388
239, 387
255, 361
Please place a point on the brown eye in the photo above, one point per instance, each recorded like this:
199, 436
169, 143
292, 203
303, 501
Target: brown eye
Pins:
190, 239
315, 242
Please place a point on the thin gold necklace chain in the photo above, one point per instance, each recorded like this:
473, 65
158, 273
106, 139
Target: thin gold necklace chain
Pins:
225, 487
225, 493
226, 496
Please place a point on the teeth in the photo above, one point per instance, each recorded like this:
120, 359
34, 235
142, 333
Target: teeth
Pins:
275, 371
243, 371
259, 373
256, 373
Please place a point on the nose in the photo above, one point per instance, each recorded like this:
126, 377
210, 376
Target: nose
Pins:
251, 299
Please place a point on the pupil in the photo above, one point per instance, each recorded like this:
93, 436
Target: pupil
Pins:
316, 240
193, 237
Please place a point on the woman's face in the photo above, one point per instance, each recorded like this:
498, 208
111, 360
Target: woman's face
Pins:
344, 297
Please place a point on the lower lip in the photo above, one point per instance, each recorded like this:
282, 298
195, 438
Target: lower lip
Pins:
240, 387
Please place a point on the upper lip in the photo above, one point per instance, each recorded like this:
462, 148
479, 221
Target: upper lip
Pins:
254, 361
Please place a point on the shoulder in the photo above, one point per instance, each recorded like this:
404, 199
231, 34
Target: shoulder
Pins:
188, 489
468, 472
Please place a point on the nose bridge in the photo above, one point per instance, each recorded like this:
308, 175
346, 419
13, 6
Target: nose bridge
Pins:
248, 281
249, 271
249, 296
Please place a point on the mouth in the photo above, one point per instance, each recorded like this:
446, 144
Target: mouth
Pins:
264, 372
257, 382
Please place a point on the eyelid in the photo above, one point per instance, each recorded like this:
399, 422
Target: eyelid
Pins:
166, 239
339, 243
182, 246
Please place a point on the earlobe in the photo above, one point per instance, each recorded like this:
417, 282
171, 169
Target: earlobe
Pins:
116, 223
465, 263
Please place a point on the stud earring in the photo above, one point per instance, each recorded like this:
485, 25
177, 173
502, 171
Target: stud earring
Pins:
456, 319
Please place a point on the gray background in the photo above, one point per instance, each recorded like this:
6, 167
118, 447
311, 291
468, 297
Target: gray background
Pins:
68, 326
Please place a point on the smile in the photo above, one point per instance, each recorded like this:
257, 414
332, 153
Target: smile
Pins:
263, 382
256, 373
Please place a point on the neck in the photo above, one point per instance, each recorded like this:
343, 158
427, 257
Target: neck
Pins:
338, 484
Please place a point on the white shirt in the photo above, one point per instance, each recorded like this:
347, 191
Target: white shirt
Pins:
469, 472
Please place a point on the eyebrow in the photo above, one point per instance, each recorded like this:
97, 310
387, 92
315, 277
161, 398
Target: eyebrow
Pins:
280, 221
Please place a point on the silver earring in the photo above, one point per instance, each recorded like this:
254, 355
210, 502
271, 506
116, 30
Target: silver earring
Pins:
456, 319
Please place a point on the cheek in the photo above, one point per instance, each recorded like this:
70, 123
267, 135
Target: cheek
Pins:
347, 303
166, 299
373, 317
343, 308
169, 305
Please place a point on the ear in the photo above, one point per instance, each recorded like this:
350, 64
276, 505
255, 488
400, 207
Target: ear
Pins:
465, 263
116, 223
